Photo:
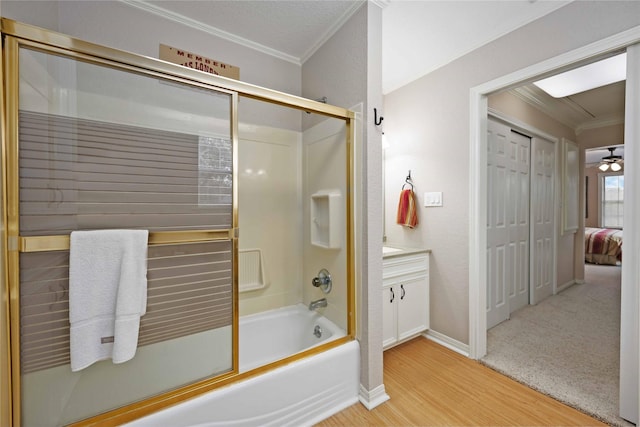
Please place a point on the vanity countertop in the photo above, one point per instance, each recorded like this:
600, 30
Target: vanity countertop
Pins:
391, 251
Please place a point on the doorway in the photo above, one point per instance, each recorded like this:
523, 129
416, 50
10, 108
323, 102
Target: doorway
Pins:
478, 243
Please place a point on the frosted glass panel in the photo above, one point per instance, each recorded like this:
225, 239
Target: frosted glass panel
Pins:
103, 148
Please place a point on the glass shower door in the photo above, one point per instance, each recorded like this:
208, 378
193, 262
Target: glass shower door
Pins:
104, 147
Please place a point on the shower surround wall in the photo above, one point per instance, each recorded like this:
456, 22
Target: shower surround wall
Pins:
279, 172
325, 166
269, 183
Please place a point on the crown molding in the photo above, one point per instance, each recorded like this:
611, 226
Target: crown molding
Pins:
333, 29
529, 96
192, 23
381, 3
595, 124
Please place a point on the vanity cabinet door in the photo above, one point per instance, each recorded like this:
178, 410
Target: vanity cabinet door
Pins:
412, 308
389, 316
405, 298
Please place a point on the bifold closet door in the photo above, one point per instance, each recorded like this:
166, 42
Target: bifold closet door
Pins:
508, 166
543, 219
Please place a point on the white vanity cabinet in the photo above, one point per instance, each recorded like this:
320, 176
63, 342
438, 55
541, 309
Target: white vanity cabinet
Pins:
405, 295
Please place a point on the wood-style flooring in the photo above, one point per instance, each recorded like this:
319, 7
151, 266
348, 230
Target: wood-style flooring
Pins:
431, 385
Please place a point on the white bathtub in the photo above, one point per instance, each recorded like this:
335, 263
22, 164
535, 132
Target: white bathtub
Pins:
272, 335
297, 394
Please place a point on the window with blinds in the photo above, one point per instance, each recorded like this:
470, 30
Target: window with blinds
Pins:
78, 174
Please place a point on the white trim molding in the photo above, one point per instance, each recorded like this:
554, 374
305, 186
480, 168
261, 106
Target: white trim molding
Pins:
448, 342
217, 32
630, 294
192, 23
372, 398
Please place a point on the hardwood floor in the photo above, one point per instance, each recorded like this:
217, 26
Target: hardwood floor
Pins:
431, 385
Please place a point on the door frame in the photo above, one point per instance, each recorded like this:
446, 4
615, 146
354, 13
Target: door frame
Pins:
478, 110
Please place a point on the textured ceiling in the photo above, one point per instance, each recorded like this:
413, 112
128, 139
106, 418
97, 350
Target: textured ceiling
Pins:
421, 36
418, 36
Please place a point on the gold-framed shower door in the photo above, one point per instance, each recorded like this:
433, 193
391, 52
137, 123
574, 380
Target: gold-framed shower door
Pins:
16, 35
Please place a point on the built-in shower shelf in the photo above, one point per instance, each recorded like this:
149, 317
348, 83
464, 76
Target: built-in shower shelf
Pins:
251, 271
326, 219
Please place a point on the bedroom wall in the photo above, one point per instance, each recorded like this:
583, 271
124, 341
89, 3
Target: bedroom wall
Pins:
593, 198
512, 106
427, 123
596, 138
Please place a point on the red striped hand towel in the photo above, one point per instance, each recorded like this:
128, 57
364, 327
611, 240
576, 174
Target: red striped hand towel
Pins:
407, 212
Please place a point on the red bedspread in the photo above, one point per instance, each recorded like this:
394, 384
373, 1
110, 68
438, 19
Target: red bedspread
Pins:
603, 245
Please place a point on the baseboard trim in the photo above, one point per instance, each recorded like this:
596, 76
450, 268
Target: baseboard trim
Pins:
446, 341
372, 398
568, 284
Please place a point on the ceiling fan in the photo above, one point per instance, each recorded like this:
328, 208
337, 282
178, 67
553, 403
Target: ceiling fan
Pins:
611, 161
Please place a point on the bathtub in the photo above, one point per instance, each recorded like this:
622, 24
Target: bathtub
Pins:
296, 394
275, 334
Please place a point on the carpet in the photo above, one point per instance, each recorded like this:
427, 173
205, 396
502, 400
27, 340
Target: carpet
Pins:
568, 345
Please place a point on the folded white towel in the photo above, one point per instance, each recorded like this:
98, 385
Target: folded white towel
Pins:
107, 294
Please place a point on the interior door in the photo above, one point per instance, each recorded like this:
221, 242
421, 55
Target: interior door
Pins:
542, 218
508, 163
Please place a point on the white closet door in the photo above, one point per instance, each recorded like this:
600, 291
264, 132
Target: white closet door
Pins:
542, 218
508, 222
519, 225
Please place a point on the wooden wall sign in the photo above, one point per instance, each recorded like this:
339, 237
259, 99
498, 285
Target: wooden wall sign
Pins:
198, 62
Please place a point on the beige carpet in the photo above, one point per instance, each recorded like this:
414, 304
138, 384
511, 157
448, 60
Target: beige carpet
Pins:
567, 346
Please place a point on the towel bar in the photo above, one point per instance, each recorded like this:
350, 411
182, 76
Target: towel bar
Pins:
61, 242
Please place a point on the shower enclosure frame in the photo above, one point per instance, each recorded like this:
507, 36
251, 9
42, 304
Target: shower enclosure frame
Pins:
16, 35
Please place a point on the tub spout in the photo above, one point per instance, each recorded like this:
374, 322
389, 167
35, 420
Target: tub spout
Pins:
317, 304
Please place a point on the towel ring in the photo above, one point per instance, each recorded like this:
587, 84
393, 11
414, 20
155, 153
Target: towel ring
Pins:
408, 181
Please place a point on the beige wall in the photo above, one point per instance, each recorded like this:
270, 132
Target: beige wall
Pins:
118, 25
601, 137
347, 70
593, 198
427, 123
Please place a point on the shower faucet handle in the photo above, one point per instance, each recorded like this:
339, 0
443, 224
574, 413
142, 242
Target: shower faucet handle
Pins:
323, 281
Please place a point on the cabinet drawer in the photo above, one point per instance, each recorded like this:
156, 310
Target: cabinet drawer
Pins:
405, 265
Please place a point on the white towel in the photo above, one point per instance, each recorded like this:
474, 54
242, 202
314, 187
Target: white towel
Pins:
107, 294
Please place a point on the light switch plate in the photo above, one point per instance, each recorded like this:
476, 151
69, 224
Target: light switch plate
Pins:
433, 198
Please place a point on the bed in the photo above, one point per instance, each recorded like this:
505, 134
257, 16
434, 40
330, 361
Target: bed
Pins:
602, 246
